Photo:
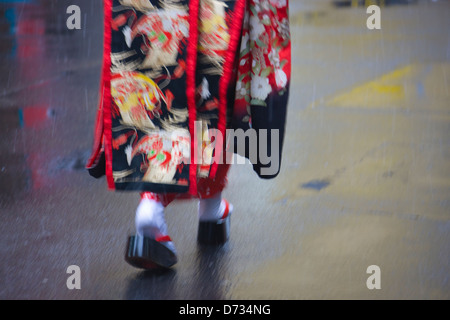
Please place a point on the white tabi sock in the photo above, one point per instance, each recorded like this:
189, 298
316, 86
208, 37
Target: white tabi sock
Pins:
211, 209
150, 221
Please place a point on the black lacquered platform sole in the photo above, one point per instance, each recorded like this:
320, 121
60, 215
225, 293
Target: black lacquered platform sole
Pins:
147, 253
214, 233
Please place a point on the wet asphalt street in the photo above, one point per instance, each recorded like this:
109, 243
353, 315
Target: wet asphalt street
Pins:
365, 176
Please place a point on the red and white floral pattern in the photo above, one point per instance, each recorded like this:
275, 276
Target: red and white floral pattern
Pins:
264, 65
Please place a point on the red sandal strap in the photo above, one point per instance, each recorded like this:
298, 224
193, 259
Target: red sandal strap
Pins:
227, 209
163, 239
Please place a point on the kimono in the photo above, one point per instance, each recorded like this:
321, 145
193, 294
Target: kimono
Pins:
177, 75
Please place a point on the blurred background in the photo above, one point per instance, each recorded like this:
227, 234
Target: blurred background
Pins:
365, 176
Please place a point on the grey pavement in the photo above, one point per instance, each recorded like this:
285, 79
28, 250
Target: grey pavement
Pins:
365, 175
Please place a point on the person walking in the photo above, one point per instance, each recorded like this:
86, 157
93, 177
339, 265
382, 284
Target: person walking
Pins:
176, 76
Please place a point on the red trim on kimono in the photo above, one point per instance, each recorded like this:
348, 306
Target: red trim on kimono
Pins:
98, 131
107, 99
228, 67
191, 65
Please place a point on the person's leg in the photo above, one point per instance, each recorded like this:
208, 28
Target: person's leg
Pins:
151, 247
214, 208
214, 212
214, 220
150, 220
